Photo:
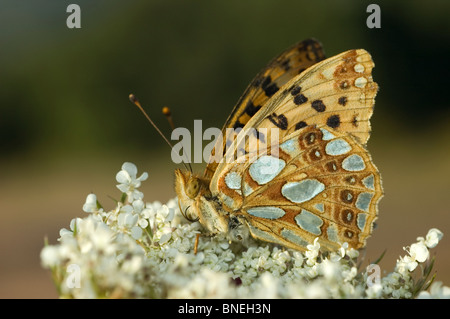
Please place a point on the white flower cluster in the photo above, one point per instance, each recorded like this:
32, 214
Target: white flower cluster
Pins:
146, 250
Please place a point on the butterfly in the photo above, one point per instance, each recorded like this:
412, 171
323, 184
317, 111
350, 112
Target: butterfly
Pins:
319, 181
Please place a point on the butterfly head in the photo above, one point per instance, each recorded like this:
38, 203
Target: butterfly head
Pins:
188, 188
196, 204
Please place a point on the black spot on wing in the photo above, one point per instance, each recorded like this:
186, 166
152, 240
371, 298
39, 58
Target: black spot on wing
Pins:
295, 89
285, 65
300, 99
279, 121
251, 109
344, 85
260, 136
314, 49
334, 121
238, 125
269, 87
343, 100
318, 105
300, 125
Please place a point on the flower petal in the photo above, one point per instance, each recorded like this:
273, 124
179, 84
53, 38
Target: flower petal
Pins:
419, 252
433, 237
123, 177
138, 205
130, 168
90, 205
143, 177
136, 232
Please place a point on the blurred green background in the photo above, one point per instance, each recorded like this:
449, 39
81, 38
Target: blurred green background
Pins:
67, 126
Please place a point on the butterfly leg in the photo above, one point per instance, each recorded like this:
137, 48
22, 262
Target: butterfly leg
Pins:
196, 243
197, 240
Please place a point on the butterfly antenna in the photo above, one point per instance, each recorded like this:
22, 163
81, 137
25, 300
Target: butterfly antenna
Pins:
136, 102
168, 114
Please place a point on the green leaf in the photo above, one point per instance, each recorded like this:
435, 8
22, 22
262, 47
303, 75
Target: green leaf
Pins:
422, 284
99, 206
381, 257
123, 198
75, 228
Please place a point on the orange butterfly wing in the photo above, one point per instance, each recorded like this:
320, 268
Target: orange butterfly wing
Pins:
267, 82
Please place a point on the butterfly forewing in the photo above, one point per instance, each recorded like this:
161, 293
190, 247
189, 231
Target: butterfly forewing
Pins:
275, 75
338, 93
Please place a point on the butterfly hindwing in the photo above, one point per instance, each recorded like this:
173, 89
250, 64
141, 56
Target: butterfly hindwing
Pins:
320, 184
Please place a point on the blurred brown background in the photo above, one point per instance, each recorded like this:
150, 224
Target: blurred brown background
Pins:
67, 126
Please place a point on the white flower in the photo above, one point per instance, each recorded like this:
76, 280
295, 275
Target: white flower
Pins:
102, 237
374, 291
142, 212
330, 270
392, 279
406, 264
316, 290
126, 218
298, 258
313, 252
74, 228
315, 246
343, 249
266, 287
136, 232
206, 284
348, 275
401, 292
437, 291
128, 181
95, 235
312, 272
352, 253
139, 250
90, 206
419, 252
133, 265
165, 214
50, 256
433, 237
165, 235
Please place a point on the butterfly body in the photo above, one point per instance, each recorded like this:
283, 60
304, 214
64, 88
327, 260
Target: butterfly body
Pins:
314, 177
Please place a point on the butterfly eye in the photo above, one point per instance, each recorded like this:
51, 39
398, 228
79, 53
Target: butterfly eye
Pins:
192, 188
